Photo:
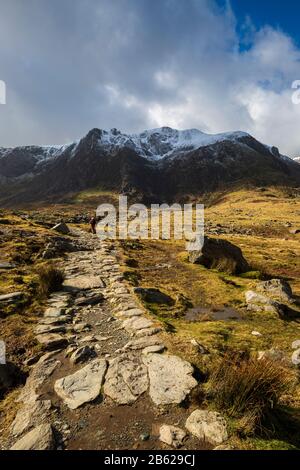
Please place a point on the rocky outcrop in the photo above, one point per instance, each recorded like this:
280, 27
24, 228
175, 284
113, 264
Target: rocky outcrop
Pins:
221, 255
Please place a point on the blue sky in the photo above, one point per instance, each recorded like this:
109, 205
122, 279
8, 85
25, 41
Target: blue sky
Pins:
71, 65
283, 14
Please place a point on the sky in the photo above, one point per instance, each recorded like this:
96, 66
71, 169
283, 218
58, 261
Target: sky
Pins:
214, 65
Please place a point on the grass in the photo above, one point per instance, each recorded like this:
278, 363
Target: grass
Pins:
50, 279
248, 389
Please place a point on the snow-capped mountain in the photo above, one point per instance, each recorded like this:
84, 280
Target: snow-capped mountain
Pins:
297, 159
155, 165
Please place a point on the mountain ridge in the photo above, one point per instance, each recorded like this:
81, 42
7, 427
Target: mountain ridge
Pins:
156, 165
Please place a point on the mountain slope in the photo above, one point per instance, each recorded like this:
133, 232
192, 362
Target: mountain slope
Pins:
157, 165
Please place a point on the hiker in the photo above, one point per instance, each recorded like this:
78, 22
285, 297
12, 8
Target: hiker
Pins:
93, 225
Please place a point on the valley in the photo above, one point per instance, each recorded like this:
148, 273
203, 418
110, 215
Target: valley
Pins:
203, 313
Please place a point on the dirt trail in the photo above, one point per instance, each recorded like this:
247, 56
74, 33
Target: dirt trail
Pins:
127, 384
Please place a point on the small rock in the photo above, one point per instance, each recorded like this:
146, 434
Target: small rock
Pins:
296, 357
145, 436
272, 355
172, 435
61, 228
157, 348
256, 333
296, 344
208, 426
80, 327
200, 348
81, 354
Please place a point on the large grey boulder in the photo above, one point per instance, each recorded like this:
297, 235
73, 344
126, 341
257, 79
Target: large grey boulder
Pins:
40, 438
220, 254
207, 426
171, 378
83, 386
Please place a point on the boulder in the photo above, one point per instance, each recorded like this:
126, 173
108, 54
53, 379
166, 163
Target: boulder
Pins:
171, 378
207, 426
83, 386
172, 435
221, 255
61, 228
277, 289
40, 438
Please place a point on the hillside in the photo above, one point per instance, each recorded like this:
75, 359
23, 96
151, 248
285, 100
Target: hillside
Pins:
158, 165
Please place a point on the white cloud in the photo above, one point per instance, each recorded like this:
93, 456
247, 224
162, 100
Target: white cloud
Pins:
133, 64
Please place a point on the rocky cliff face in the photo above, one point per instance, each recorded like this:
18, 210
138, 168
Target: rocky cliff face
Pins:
158, 165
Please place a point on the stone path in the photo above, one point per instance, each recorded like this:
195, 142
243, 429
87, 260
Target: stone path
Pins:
105, 379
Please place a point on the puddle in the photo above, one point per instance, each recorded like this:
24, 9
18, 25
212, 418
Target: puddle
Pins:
209, 314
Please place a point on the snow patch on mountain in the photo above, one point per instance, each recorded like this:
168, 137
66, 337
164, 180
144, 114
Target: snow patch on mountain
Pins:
159, 143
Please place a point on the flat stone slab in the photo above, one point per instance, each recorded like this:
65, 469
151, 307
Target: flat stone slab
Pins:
55, 320
29, 415
42, 329
54, 312
38, 375
40, 438
52, 341
141, 343
83, 386
170, 377
136, 323
133, 312
126, 379
208, 426
10, 298
83, 283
